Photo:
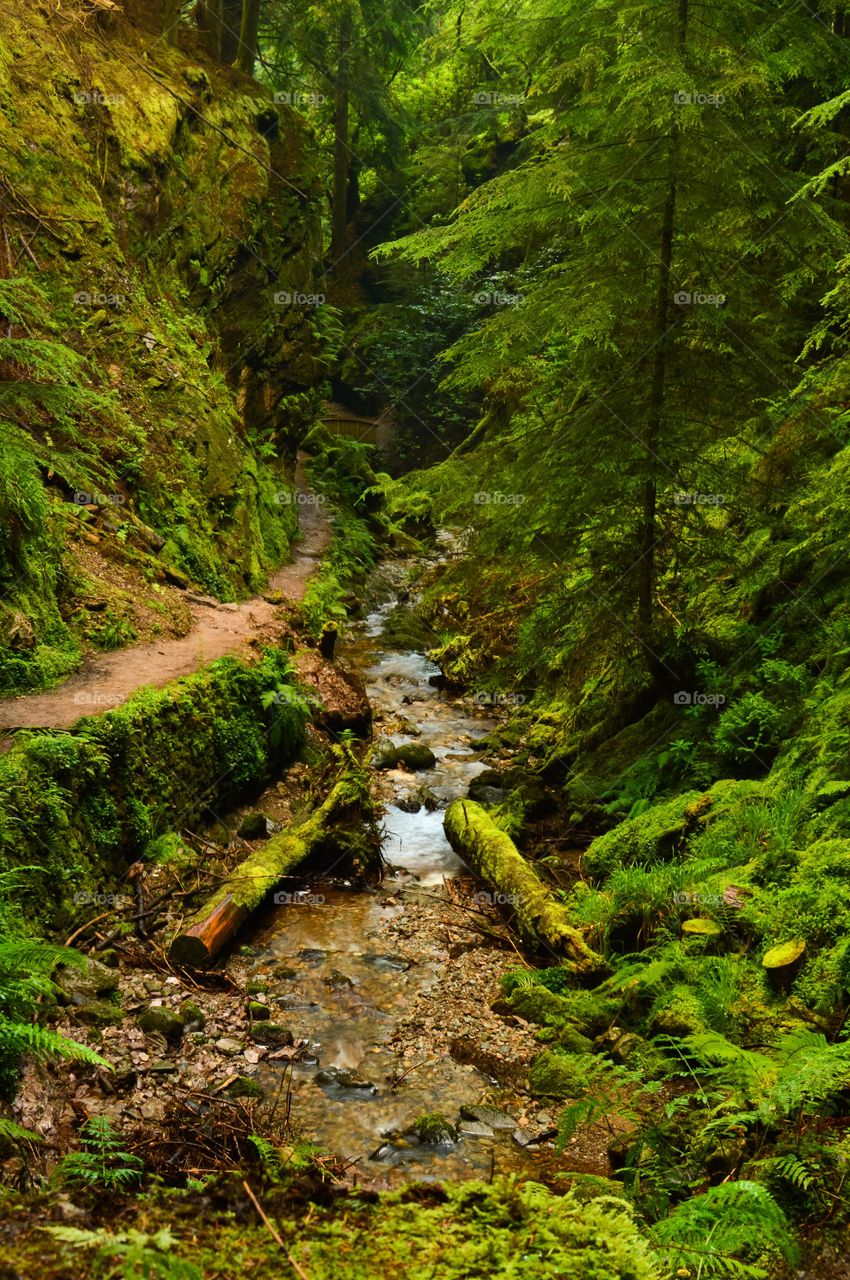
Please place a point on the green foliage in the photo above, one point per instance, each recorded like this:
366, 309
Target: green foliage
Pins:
736, 1229
26, 969
102, 1163
129, 1255
64, 796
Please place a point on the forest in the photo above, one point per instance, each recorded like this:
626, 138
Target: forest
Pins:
425, 639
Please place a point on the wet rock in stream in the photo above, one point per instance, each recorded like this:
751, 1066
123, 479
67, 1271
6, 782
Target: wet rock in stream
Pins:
394, 964
271, 1033
339, 1082
489, 1116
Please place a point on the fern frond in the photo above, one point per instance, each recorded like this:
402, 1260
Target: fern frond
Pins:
28, 1037
736, 1229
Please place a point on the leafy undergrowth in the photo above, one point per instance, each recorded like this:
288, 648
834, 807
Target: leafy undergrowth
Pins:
456, 1232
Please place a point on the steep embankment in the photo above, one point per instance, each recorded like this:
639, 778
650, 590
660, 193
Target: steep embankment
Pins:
217, 630
167, 209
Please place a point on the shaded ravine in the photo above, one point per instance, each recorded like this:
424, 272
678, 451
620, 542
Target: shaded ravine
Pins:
108, 679
373, 989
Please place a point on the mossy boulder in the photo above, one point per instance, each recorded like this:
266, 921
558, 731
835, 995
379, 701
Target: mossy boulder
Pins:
160, 1020
244, 1087
677, 1014
272, 1034
434, 1129
558, 1075
256, 826
415, 755
405, 630
656, 835
194, 1018
98, 1013
539, 1005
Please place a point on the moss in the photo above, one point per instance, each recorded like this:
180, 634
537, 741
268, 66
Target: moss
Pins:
434, 1129
454, 1231
659, 833
415, 755
188, 225
558, 1075
539, 917
536, 1004
64, 795
784, 954
677, 1013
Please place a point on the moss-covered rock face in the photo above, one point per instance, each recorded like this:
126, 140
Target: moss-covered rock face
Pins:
78, 805
173, 212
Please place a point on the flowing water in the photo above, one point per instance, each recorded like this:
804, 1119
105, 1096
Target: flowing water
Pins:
342, 974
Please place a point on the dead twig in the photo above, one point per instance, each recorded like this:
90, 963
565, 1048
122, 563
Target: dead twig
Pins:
299, 1271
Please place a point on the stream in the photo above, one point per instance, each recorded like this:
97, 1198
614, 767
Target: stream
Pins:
346, 970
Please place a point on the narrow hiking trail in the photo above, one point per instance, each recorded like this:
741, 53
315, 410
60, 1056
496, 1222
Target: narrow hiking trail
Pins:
107, 680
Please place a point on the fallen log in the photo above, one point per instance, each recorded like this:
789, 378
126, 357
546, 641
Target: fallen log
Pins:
539, 919
211, 928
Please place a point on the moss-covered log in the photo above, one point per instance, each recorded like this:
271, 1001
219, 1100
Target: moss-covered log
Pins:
218, 921
539, 919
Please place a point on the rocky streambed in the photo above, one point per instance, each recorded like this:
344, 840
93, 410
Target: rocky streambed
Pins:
371, 1015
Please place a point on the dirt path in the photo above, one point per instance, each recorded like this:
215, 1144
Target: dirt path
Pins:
108, 679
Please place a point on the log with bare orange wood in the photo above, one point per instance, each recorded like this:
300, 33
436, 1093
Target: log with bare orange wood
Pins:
216, 924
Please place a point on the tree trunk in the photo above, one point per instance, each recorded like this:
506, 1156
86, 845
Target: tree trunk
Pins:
248, 32
540, 921
209, 16
171, 21
339, 212
648, 535
217, 923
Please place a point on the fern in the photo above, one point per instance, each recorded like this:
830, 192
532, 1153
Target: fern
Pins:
789, 1168
26, 970
16, 1132
102, 1162
736, 1229
269, 1156
752, 1073
139, 1256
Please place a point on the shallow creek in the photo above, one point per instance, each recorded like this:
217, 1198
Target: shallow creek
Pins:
346, 968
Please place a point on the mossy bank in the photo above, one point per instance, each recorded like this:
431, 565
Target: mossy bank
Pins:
168, 209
